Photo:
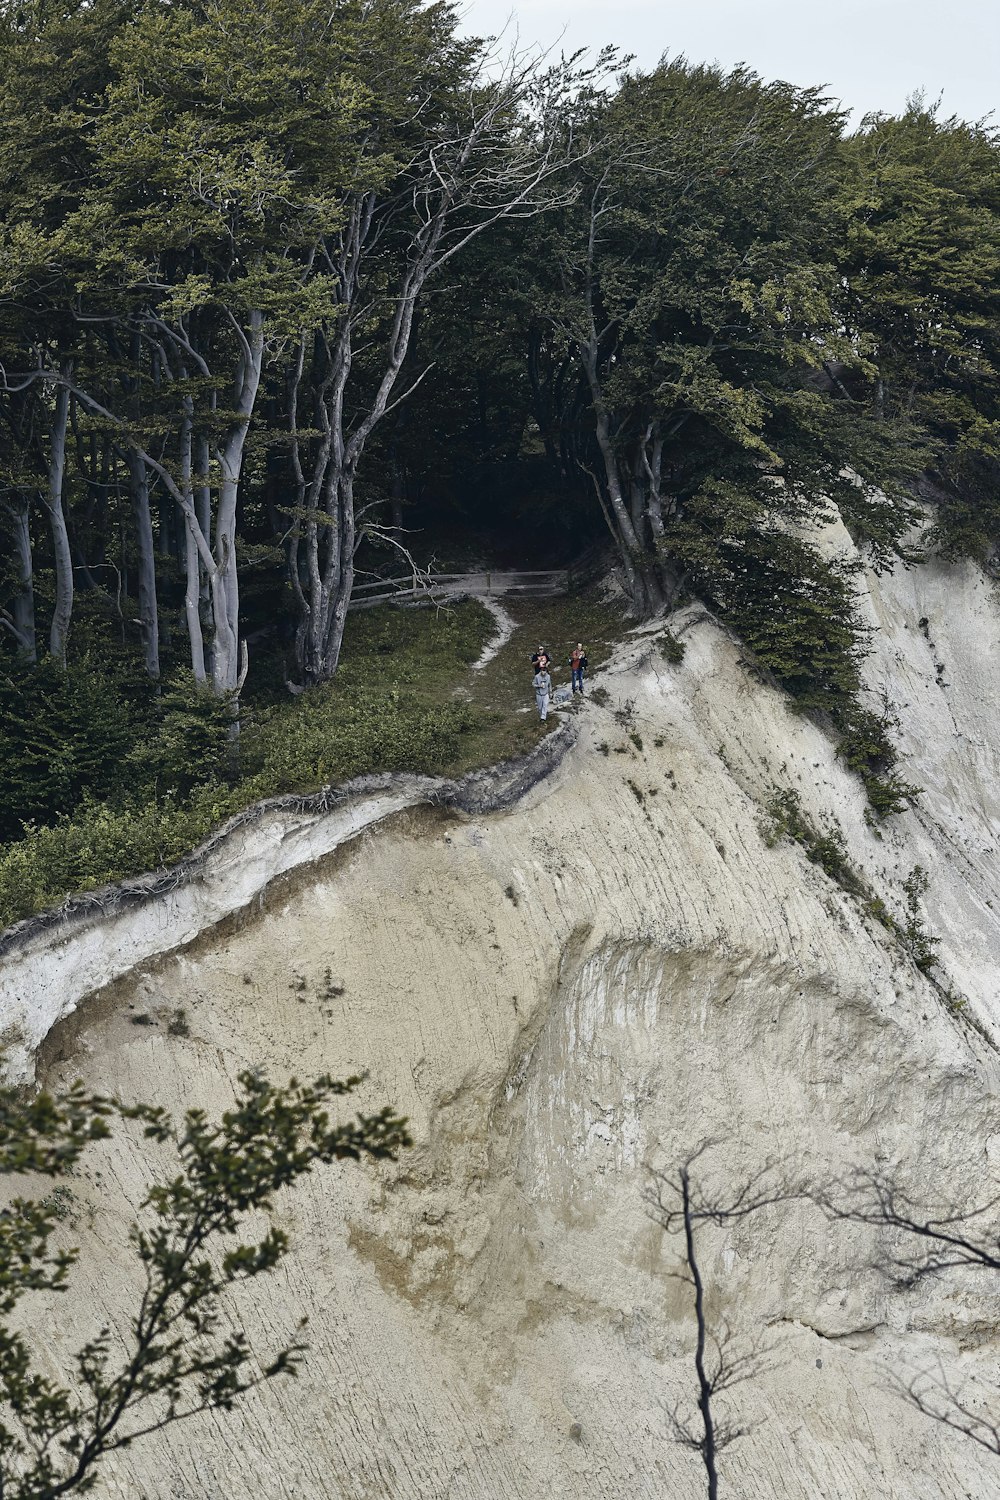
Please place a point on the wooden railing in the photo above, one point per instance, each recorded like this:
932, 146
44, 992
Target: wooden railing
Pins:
436, 587
433, 588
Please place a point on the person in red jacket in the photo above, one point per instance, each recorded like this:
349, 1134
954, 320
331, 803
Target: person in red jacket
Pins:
578, 665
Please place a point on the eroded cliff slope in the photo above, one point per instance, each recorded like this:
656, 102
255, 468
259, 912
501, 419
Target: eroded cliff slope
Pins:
614, 967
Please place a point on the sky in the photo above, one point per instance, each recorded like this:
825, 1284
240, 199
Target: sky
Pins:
870, 54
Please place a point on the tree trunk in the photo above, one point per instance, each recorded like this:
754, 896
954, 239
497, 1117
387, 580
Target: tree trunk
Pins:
63, 610
229, 656
24, 598
192, 562
345, 584
708, 1444
640, 569
148, 615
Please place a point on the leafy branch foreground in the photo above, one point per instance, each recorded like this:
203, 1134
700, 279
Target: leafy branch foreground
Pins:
175, 1360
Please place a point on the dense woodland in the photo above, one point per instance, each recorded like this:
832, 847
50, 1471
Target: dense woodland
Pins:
293, 294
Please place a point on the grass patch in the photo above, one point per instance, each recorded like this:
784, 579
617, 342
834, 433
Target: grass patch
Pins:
406, 698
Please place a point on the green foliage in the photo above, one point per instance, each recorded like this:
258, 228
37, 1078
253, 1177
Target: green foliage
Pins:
797, 612
103, 842
671, 649
336, 736
178, 1352
793, 608
921, 946
828, 850
188, 743
787, 819
866, 747
63, 731
921, 260
392, 708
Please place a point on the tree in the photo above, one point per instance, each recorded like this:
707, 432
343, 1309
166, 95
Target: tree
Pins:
207, 203
449, 148
691, 285
679, 1202
52, 70
926, 1242
176, 1358
920, 255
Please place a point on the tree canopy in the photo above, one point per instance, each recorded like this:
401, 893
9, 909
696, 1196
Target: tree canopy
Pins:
286, 291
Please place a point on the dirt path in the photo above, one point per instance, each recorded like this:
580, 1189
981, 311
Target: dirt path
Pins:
505, 629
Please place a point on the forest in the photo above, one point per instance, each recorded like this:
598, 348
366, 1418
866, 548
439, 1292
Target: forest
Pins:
293, 296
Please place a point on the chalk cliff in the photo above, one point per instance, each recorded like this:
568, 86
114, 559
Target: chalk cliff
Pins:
594, 975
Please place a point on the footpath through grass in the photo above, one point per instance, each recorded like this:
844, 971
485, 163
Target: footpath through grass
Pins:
406, 698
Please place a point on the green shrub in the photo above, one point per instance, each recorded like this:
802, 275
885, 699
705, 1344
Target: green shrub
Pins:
323, 738
63, 733
921, 945
102, 843
866, 747
189, 742
671, 649
335, 736
828, 850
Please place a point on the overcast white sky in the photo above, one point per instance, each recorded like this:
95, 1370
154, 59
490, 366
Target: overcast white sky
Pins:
871, 54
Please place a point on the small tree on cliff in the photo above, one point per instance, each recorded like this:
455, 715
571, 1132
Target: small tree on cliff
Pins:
176, 1357
682, 1203
923, 1242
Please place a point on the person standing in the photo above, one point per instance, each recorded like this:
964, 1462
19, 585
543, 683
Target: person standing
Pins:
578, 665
542, 684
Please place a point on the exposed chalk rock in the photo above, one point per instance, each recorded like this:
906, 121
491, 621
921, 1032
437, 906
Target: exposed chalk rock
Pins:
559, 992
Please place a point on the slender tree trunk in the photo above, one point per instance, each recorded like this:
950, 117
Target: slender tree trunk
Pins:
148, 615
708, 1446
640, 569
23, 616
192, 561
203, 513
63, 610
345, 581
229, 663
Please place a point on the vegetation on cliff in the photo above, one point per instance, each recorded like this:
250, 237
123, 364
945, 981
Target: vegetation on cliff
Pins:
281, 300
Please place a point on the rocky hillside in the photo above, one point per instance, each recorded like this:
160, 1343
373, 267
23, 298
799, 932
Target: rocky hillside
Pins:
625, 958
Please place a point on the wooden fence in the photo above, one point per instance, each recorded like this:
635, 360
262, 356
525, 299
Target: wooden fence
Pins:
435, 588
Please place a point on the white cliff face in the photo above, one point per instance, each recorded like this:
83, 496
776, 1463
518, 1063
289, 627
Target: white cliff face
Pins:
597, 978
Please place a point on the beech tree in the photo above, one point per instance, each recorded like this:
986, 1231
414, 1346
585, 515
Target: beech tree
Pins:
173, 1356
50, 54
921, 260
454, 147
691, 289
210, 205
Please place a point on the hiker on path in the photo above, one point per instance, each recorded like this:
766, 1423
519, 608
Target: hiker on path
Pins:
542, 684
578, 665
540, 659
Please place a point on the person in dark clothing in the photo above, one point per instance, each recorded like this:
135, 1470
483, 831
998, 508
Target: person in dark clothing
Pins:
578, 665
540, 660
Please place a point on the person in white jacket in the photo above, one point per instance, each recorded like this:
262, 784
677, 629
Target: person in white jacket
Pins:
542, 684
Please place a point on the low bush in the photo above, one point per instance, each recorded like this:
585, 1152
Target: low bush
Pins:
788, 819
866, 747
63, 733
